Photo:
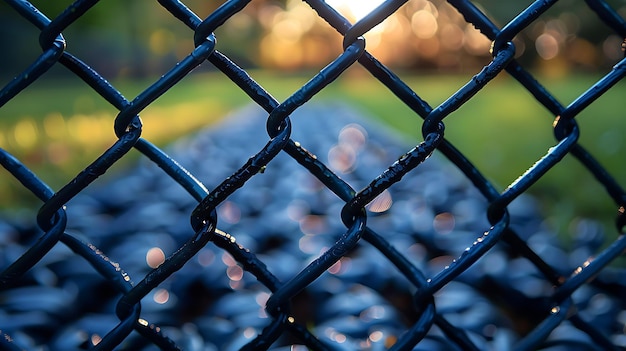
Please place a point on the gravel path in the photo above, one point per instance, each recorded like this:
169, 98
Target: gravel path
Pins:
287, 218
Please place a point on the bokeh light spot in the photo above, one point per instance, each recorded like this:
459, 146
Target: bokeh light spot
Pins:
95, 339
424, 24
376, 336
342, 158
381, 203
444, 223
161, 296
155, 257
235, 273
547, 46
25, 133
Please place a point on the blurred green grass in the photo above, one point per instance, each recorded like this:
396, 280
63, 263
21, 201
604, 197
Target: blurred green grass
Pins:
504, 131
58, 127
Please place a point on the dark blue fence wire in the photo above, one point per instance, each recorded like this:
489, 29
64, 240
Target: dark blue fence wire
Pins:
52, 218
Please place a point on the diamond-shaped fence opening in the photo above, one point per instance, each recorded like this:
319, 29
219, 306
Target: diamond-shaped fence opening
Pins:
298, 225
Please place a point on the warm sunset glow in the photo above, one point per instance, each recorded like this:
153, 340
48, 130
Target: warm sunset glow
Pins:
419, 34
354, 9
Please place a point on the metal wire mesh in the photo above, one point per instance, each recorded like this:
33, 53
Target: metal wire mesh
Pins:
280, 326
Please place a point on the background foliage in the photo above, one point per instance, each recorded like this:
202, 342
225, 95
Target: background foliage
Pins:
135, 39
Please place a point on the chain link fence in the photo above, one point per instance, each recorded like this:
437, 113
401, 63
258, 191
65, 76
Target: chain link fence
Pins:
551, 310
